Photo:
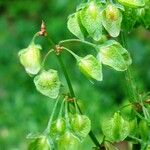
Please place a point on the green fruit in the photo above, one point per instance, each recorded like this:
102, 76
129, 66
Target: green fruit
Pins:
30, 58
48, 83
74, 25
58, 127
111, 53
116, 129
68, 141
112, 18
90, 67
91, 17
81, 125
41, 143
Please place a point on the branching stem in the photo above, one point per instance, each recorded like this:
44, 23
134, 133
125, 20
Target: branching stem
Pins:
72, 94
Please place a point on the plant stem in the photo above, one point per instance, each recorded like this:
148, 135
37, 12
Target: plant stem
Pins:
52, 116
33, 39
45, 57
72, 53
77, 40
128, 75
91, 134
66, 115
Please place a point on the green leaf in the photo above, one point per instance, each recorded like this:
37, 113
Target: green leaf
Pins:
90, 67
48, 83
58, 127
68, 141
132, 3
81, 125
114, 55
116, 129
30, 58
74, 25
111, 20
41, 143
91, 17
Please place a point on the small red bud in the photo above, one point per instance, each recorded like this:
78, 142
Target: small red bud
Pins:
43, 32
58, 49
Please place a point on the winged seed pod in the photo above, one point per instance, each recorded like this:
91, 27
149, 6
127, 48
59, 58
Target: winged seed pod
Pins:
68, 141
30, 58
132, 3
111, 20
74, 25
48, 83
81, 125
111, 53
116, 129
91, 17
90, 67
41, 143
58, 127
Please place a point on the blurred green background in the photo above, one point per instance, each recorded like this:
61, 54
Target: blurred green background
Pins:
22, 108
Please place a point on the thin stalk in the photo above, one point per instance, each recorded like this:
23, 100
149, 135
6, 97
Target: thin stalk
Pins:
61, 109
33, 39
135, 138
128, 75
52, 116
45, 57
76, 107
123, 107
67, 116
77, 40
72, 53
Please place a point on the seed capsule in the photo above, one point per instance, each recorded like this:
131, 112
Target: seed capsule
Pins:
90, 67
30, 58
58, 127
91, 17
111, 53
112, 13
116, 129
48, 83
81, 125
41, 143
68, 141
112, 19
